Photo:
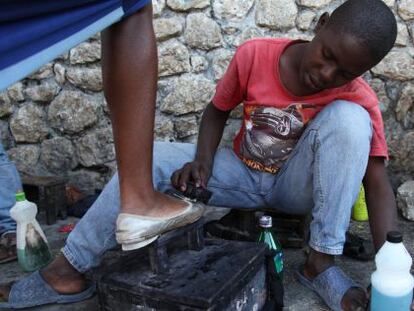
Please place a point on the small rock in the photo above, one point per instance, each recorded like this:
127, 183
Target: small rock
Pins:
157, 7
96, 148
379, 88
87, 180
389, 3
198, 63
5, 136
190, 93
313, 3
166, 28
405, 199
276, 14
202, 32
25, 157
396, 65
43, 73
85, 78
402, 36
60, 72
232, 10
6, 108
221, 60
405, 106
164, 128
28, 124
86, 52
44, 92
174, 58
305, 19
71, 112
57, 155
406, 9
186, 126
247, 34
15, 92
186, 5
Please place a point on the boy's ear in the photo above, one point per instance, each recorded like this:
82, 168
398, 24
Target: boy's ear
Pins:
323, 20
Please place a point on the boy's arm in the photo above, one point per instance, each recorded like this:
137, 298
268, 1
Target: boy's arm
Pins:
210, 133
380, 199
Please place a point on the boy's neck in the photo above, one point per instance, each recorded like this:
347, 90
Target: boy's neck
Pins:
289, 65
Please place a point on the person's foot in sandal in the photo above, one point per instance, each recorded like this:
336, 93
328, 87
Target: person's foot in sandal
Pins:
8, 250
58, 282
337, 290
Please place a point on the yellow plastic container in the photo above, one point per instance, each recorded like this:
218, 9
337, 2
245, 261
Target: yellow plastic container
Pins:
360, 210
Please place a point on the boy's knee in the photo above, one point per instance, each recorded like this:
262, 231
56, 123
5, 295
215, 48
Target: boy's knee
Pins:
350, 123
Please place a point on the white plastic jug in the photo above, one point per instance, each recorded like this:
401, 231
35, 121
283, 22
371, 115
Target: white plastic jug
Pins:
32, 248
392, 283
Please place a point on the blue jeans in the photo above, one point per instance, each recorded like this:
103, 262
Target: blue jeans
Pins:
9, 184
322, 176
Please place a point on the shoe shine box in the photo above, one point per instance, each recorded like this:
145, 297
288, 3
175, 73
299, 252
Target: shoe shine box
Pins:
223, 275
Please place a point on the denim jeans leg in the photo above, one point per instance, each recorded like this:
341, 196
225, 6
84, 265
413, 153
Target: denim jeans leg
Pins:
95, 232
9, 184
324, 173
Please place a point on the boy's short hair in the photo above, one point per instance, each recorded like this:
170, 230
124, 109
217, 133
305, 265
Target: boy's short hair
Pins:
370, 21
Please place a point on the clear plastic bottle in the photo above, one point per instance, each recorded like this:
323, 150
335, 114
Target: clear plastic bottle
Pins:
32, 248
266, 236
392, 283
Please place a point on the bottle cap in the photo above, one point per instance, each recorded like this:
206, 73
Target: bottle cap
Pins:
394, 237
265, 221
20, 196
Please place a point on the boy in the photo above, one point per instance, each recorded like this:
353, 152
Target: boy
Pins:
277, 162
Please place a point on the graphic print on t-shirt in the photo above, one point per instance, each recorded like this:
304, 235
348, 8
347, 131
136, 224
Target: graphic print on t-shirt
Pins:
270, 134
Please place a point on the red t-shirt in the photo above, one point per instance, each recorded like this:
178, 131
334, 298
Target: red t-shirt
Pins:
274, 119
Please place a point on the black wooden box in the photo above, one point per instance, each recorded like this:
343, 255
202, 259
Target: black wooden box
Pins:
224, 275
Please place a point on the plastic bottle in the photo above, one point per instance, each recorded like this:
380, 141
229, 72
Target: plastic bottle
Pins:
360, 210
392, 283
32, 248
266, 236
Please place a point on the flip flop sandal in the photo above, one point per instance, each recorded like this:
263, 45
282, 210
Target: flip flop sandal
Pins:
135, 231
358, 248
331, 285
33, 291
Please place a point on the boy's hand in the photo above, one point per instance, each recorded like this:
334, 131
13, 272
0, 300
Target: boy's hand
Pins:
196, 171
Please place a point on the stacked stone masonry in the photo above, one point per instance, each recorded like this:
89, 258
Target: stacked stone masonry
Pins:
56, 121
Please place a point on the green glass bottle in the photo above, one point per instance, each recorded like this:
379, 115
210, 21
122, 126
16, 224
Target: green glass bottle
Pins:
266, 236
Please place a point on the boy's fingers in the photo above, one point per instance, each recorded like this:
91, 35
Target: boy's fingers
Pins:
184, 178
174, 178
204, 176
196, 175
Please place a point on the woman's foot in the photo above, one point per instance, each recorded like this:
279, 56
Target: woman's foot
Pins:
156, 205
354, 298
60, 275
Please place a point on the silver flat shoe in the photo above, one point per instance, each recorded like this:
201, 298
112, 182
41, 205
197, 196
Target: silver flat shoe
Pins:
135, 231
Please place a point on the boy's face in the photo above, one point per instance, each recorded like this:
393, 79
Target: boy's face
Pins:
332, 60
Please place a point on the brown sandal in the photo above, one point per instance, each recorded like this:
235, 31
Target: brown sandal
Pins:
8, 248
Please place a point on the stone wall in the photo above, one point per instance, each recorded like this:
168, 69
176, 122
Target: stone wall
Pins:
56, 121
